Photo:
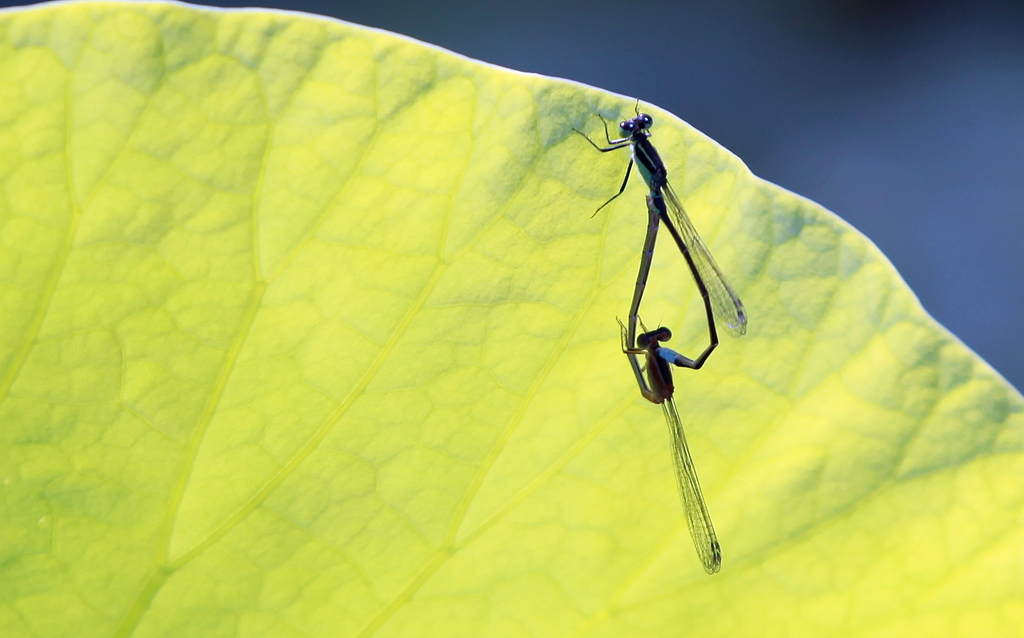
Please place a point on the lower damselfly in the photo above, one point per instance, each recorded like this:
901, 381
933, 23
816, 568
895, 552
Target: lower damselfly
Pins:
660, 390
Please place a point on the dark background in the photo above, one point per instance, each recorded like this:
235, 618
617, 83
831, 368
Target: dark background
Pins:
906, 118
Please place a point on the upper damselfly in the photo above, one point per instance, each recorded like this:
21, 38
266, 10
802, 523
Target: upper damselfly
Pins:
726, 305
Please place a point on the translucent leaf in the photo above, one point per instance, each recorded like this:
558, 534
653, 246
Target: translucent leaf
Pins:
306, 329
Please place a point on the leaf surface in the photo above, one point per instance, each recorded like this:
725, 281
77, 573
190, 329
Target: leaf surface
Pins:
306, 329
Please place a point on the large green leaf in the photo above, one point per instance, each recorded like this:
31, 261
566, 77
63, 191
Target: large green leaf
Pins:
307, 330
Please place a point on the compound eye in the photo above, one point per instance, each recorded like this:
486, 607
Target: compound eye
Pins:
645, 120
627, 126
643, 340
664, 334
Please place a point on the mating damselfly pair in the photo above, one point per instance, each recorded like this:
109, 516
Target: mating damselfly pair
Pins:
720, 301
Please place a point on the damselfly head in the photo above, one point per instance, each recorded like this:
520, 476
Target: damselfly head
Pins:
648, 339
641, 122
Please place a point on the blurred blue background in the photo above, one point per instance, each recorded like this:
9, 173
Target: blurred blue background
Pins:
906, 118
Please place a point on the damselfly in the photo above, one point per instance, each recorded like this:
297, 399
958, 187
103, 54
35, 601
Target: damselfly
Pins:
709, 277
659, 375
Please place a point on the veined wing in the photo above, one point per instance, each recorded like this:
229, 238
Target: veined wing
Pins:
726, 305
697, 517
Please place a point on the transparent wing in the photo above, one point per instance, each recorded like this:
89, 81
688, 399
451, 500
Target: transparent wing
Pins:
726, 305
697, 517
